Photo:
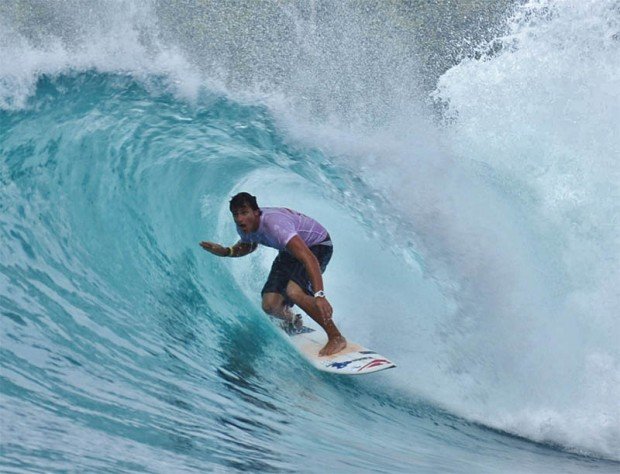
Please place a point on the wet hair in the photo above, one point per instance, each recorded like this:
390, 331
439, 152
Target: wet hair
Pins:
243, 199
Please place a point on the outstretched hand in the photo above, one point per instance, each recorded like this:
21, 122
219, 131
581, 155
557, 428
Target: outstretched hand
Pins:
215, 249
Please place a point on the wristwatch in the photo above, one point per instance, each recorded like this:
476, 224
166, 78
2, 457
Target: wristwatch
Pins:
319, 294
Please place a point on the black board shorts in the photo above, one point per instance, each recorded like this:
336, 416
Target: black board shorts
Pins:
286, 268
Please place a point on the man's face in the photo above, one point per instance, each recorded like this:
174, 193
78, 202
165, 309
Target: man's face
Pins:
246, 218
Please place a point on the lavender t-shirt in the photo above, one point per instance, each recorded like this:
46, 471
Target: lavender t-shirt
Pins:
278, 225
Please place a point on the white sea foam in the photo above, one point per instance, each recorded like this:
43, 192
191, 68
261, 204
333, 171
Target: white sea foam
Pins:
113, 37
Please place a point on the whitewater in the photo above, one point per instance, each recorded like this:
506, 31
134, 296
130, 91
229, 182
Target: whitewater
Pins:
464, 157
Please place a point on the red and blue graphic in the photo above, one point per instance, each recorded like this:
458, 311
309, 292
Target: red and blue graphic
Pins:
342, 365
375, 363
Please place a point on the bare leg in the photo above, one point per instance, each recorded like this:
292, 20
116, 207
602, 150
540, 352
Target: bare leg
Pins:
336, 342
273, 304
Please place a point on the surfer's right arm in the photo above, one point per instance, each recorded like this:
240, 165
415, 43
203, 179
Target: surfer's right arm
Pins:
240, 249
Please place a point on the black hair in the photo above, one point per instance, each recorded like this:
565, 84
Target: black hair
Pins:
243, 199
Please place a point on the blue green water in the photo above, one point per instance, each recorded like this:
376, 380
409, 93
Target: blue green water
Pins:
475, 245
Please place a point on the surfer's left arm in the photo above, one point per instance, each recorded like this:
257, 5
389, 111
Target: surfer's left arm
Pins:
301, 252
240, 249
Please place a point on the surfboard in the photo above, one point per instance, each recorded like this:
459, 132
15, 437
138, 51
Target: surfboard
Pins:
355, 359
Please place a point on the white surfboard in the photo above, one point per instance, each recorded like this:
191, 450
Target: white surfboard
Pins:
352, 360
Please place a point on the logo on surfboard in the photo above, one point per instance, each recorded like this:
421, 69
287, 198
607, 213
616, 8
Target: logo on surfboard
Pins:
369, 365
374, 363
342, 365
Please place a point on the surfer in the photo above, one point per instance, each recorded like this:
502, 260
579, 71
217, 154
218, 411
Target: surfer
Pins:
305, 249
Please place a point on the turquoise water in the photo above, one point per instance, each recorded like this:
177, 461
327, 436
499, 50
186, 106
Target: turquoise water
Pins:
474, 221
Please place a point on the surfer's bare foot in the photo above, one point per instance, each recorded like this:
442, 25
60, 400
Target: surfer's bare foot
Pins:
334, 344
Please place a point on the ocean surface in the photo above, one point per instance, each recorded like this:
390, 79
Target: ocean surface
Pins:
464, 156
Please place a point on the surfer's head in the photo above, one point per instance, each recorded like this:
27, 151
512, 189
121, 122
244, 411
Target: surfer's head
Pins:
246, 212
243, 199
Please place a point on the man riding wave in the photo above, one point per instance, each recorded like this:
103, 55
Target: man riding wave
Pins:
305, 249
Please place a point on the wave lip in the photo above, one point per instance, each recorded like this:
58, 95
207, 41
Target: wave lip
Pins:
112, 37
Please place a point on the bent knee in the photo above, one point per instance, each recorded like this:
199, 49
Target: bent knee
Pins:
269, 308
272, 303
